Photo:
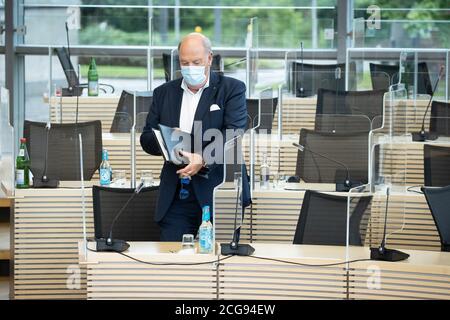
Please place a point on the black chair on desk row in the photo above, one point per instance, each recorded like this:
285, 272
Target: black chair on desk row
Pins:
440, 118
347, 151
385, 75
348, 111
123, 118
306, 79
323, 219
436, 165
55, 151
438, 200
216, 65
135, 223
268, 109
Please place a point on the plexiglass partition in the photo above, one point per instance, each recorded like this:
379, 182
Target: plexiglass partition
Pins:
7, 146
389, 169
417, 69
229, 213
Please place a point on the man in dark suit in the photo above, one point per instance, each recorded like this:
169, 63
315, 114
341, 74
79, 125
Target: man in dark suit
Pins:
202, 100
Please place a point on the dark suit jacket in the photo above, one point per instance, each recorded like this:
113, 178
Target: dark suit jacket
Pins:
229, 95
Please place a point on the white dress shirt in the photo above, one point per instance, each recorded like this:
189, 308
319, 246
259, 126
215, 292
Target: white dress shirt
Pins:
189, 105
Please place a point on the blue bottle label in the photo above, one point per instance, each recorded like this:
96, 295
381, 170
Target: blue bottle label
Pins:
105, 176
205, 240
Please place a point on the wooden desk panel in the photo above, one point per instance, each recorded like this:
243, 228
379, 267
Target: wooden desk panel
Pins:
113, 276
47, 228
296, 273
103, 108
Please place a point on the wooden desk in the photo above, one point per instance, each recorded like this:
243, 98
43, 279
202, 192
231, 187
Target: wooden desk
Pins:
274, 214
119, 149
113, 276
103, 108
301, 112
48, 226
297, 112
425, 275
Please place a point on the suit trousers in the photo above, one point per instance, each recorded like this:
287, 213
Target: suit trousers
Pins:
183, 217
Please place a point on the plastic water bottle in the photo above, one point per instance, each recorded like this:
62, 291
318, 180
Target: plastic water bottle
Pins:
105, 170
265, 173
206, 232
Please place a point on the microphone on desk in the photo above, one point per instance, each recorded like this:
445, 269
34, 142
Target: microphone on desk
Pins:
44, 181
116, 245
341, 187
382, 253
234, 248
423, 135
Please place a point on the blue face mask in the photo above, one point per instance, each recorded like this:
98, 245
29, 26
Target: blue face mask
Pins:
193, 75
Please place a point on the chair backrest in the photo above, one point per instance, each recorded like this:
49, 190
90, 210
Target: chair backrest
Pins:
312, 77
136, 223
359, 109
63, 162
350, 149
268, 109
123, 118
323, 219
436, 165
383, 76
438, 200
216, 65
440, 118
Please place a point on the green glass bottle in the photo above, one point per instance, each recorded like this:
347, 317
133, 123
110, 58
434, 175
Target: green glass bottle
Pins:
92, 79
23, 166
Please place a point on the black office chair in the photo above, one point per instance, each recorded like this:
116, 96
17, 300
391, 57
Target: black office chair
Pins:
63, 162
354, 110
136, 223
383, 76
436, 165
216, 65
307, 79
323, 220
123, 118
440, 118
351, 149
268, 109
438, 200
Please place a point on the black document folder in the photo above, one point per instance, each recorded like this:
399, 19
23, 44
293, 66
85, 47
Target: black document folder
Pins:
171, 141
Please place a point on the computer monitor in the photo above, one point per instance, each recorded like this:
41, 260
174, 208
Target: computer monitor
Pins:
69, 70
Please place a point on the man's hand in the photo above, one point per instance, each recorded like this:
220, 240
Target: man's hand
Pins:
194, 166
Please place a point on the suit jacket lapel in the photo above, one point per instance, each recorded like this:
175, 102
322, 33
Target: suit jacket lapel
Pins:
176, 105
207, 98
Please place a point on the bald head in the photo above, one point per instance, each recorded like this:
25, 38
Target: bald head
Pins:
196, 39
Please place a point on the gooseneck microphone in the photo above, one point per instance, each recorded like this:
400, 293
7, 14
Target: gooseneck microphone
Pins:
423, 135
341, 187
116, 245
382, 253
44, 181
